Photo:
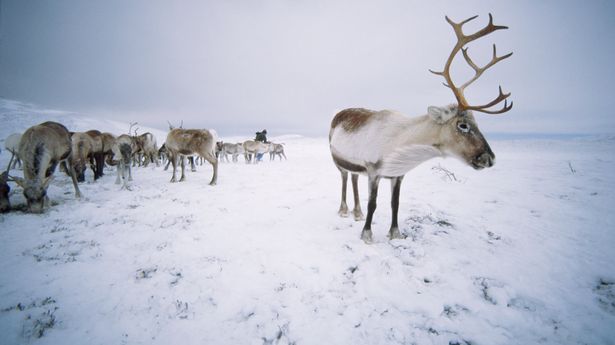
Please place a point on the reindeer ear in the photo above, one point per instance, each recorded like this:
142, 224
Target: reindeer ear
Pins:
440, 114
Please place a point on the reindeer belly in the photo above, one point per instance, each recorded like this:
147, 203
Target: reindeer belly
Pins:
354, 152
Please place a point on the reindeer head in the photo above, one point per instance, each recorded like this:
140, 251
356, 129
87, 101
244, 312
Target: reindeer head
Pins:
460, 135
35, 192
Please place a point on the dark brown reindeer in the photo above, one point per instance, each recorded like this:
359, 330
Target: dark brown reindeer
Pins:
41, 148
186, 142
98, 154
386, 144
5, 189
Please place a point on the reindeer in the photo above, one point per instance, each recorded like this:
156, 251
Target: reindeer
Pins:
108, 141
231, 149
11, 143
276, 149
386, 144
123, 149
252, 148
97, 156
5, 189
146, 144
82, 149
41, 148
184, 142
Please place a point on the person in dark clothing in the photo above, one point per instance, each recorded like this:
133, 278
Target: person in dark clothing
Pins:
262, 137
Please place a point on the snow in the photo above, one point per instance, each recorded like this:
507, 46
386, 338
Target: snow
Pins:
521, 253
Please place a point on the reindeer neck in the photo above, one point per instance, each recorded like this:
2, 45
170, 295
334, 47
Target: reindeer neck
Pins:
420, 130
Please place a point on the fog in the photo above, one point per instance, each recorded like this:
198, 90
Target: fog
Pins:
289, 66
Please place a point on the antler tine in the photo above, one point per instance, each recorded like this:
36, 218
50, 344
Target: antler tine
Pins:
504, 109
501, 97
478, 70
462, 40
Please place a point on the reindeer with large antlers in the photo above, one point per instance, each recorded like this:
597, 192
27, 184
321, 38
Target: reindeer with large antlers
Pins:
387, 144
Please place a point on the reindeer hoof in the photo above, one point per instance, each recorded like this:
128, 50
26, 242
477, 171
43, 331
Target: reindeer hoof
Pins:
394, 234
366, 236
358, 215
173, 180
343, 212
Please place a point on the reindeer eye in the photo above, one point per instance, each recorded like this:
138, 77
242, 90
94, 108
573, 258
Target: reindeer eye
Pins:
464, 127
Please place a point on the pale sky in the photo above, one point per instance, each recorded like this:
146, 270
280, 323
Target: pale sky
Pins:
243, 65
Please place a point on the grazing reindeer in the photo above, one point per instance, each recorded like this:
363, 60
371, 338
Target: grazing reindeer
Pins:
41, 148
82, 147
252, 148
123, 149
97, 156
162, 155
5, 189
108, 141
386, 144
11, 143
231, 149
276, 149
185, 142
146, 143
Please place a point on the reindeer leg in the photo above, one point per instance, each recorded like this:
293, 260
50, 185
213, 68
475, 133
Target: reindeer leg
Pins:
173, 159
129, 172
119, 169
73, 176
192, 166
183, 177
343, 211
358, 214
214, 163
366, 234
395, 188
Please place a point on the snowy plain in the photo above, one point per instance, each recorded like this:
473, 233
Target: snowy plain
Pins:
521, 253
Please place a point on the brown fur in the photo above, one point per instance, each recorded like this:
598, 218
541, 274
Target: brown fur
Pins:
97, 157
352, 119
82, 149
5, 204
184, 142
146, 143
41, 148
252, 148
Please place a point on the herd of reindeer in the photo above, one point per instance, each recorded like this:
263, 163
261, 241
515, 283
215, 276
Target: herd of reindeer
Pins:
43, 147
379, 144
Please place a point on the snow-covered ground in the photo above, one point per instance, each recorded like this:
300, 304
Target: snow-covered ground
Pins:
522, 253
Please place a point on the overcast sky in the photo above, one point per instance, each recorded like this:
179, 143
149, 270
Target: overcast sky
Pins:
289, 66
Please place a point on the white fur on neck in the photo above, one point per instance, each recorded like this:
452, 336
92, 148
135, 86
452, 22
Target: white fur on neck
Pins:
406, 158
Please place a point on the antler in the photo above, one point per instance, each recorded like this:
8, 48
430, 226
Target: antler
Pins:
462, 40
132, 124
